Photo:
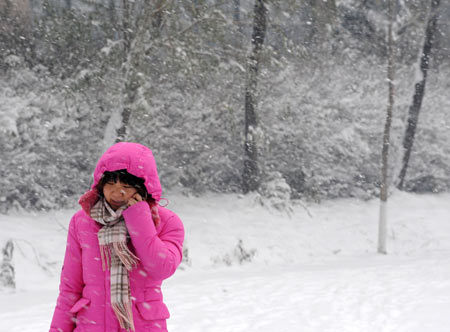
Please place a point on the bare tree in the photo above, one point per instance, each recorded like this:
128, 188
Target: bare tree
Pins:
382, 231
251, 177
414, 109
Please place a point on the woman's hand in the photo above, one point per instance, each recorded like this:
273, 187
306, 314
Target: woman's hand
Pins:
134, 199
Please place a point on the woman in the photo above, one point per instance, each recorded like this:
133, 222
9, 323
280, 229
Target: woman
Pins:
120, 247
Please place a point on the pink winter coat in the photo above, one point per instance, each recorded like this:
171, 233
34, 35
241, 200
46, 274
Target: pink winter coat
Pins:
84, 303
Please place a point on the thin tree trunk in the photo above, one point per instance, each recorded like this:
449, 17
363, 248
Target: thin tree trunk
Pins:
130, 88
126, 27
131, 70
251, 177
414, 109
126, 112
382, 231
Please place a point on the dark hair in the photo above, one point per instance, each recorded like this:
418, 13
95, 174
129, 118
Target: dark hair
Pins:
123, 176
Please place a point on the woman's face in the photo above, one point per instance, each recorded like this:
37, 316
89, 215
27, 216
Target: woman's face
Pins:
118, 193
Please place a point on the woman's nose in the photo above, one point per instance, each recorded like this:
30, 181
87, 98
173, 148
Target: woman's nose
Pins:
119, 192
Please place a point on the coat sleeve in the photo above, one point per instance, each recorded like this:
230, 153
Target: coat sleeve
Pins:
71, 284
160, 254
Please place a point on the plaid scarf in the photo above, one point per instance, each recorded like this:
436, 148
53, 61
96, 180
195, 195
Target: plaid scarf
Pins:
116, 257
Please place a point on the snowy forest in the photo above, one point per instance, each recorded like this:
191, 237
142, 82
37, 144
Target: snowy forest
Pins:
303, 144
300, 83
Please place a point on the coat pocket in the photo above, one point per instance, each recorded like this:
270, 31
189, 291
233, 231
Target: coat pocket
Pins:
80, 304
153, 310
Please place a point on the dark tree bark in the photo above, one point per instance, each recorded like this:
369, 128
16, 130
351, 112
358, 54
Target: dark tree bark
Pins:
126, 112
251, 177
130, 86
126, 26
382, 229
414, 109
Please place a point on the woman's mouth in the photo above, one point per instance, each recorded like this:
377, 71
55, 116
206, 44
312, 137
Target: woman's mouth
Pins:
117, 203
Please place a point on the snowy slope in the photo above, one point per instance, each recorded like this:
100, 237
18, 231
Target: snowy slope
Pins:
254, 269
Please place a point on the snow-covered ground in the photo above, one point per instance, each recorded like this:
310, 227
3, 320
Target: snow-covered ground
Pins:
250, 268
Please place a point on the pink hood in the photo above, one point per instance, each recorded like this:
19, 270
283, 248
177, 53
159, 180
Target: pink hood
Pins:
136, 158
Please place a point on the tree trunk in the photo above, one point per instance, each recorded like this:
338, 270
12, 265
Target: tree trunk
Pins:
251, 178
131, 68
414, 109
126, 27
382, 231
126, 112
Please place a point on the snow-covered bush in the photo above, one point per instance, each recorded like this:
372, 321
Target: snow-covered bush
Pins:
7, 275
275, 192
238, 255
